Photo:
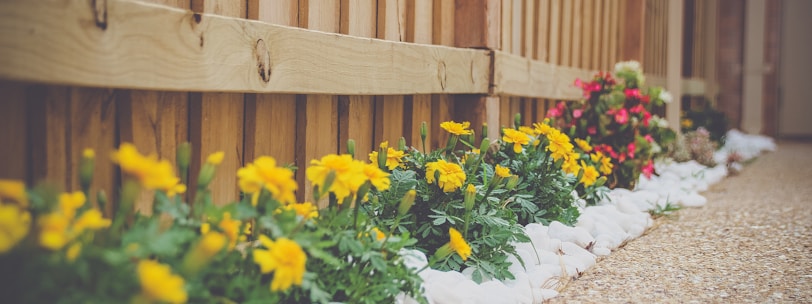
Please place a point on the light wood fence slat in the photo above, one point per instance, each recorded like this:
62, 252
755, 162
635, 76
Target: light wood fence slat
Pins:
442, 106
587, 47
555, 32
543, 17
389, 110
418, 106
597, 23
566, 34
577, 24
518, 76
530, 27
155, 47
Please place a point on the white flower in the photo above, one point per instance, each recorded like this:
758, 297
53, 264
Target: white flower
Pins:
666, 97
659, 121
632, 65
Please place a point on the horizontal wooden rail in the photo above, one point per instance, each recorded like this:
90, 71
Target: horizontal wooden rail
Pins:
130, 44
690, 86
519, 76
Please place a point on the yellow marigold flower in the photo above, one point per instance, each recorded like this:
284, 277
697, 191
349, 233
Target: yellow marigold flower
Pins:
349, 174
394, 158
583, 144
211, 244
263, 172
216, 158
158, 283
285, 258
148, 170
605, 162
517, 138
306, 210
590, 174
231, 228
457, 128
686, 123
570, 164
458, 244
528, 130
91, 219
73, 252
14, 191
377, 177
88, 153
205, 228
502, 171
451, 176
69, 202
559, 144
14, 226
475, 151
378, 234
53, 230
542, 128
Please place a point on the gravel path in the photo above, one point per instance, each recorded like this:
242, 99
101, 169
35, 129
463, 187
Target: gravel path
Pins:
752, 243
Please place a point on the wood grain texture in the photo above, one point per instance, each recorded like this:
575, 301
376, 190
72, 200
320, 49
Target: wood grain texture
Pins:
518, 76
555, 32
633, 27
92, 120
477, 23
13, 123
587, 48
48, 128
155, 47
418, 108
566, 33
356, 121
543, 17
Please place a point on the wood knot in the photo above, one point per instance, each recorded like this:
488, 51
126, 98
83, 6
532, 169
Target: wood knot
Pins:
441, 74
100, 13
263, 61
197, 17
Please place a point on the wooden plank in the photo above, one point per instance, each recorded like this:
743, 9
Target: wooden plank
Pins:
418, 108
92, 124
145, 46
154, 121
442, 106
606, 35
586, 31
597, 47
530, 21
566, 34
555, 32
478, 109
318, 114
517, 27
518, 76
674, 55
507, 26
633, 25
543, 17
477, 24
390, 111
48, 127
13, 121
613, 32
270, 119
443, 14
355, 119
711, 38
216, 121
577, 24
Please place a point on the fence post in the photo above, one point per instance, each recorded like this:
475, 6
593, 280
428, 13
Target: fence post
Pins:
674, 62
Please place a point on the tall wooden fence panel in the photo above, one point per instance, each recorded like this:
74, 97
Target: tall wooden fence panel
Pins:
293, 79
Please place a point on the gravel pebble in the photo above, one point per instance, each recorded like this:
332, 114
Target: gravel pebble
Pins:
752, 243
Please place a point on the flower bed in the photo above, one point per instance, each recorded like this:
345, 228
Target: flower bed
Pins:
477, 220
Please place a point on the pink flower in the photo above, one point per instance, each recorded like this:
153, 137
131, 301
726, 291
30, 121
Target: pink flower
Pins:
632, 93
631, 147
553, 112
577, 113
649, 138
646, 118
561, 106
648, 169
592, 130
622, 116
637, 109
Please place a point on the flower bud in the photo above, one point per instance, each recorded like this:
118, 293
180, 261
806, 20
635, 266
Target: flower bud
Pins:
406, 202
483, 147
184, 156
471, 138
101, 198
86, 166
382, 158
470, 197
206, 175
402, 144
517, 120
512, 182
351, 147
210, 244
423, 131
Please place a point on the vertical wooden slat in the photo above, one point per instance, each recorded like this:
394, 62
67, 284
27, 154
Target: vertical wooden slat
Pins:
605, 34
528, 42
270, 119
613, 32
477, 23
586, 30
517, 27
577, 23
712, 11
674, 55
566, 33
14, 134
507, 26
633, 28
49, 128
555, 31
419, 30
92, 125
356, 121
389, 110
216, 120
317, 121
442, 106
597, 23
543, 21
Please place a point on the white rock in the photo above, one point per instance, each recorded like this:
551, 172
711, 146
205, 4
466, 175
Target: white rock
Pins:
577, 235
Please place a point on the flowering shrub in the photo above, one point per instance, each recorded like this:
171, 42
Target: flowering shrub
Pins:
615, 118
696, 145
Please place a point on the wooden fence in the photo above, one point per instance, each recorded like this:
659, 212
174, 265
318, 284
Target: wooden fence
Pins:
287, 78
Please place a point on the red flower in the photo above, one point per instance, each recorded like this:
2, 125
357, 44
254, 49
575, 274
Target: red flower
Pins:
646, 118
649, 138
554, 112
632, 93
637, 109
621, 116
592, 130
648, 169
577, 113
631, 147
